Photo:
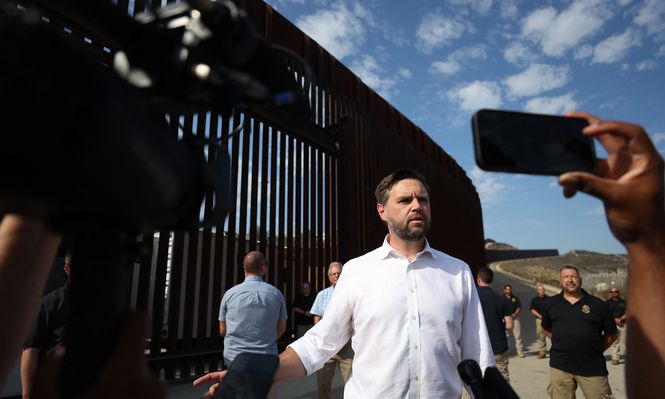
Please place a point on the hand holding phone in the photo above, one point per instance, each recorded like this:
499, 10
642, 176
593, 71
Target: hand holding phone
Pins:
518, 142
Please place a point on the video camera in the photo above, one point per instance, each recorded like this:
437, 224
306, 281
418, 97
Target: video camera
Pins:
100, 148
87, 146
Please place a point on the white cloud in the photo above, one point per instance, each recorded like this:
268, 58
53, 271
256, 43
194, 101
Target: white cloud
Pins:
489, 188
453, 63
646, 65
337, 29
480, 6
536, 79
364, 14
436, 30
508, 9
475, 52
476, 95
614, 48
445, 67
558, 32
292, 1
369, 71
551, 105
518, 54
585, 51
652, 16
405, 73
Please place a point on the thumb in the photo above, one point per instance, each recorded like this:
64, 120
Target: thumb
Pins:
586, 182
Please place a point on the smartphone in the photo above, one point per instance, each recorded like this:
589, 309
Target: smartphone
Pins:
518, 142
249, 377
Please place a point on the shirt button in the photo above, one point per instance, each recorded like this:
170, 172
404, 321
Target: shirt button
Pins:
413, 317
415, 377
415, 347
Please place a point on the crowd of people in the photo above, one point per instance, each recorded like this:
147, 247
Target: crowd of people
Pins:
404, 343
426, 342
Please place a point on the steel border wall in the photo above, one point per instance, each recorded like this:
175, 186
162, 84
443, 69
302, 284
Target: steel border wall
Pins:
300, 202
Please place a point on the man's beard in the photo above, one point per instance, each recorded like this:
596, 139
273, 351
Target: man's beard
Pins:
405, 233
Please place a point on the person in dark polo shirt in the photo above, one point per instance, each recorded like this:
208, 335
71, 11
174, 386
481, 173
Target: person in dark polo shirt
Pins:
497, 311
49, 331
581, 327
618, 308
301, 306
516, 308
538, 305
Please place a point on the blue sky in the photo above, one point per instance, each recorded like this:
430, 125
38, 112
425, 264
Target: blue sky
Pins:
439, 61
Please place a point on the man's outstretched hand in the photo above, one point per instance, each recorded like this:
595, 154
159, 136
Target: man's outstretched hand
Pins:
215, 378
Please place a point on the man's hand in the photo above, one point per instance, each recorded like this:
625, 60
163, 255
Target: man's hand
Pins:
214, 377
629, 182
618, 322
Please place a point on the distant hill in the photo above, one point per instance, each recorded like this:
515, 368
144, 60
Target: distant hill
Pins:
599, 271
491, 244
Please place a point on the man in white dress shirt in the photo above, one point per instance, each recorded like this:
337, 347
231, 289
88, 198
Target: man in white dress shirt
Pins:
412, 312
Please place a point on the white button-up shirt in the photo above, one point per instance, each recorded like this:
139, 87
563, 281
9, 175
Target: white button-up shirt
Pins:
410, 324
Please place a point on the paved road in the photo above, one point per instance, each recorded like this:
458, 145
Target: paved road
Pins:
529, 376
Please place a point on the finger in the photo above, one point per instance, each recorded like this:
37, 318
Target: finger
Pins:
602, 168
569, 191
611, 143
587, 183
592, 119
615, 136
211, 391
623, 129
214, 376
201, 380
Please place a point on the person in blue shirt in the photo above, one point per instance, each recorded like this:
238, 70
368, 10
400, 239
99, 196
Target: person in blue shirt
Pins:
252, 315
343, 358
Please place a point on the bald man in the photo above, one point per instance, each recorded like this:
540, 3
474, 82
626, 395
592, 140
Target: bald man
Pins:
252, 315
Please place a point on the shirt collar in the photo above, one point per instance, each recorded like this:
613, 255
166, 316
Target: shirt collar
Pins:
253, 278
386, 251
585, 295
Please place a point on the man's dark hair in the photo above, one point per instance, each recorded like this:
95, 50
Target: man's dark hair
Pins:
486, 275
388, 182
507, 286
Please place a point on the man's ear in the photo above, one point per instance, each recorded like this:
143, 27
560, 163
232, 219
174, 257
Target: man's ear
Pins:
382, 211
